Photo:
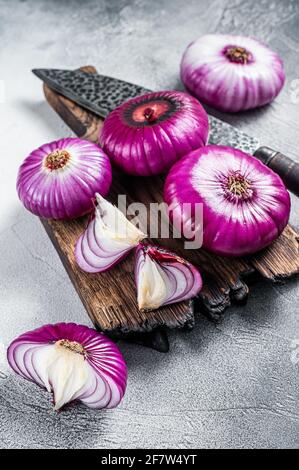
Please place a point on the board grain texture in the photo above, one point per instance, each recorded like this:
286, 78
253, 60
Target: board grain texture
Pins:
110, 298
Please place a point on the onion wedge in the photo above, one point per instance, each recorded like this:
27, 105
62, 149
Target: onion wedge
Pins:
163, 278
109, 237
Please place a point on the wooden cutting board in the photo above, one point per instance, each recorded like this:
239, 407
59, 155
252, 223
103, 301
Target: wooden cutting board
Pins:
110, 298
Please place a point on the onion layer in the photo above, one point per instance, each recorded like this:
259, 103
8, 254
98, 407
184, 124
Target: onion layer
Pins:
146, 135
163, 278
73, 362
232, 73
59, 180
245, 204
108, 238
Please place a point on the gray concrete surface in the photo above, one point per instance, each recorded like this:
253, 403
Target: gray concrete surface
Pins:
229, 385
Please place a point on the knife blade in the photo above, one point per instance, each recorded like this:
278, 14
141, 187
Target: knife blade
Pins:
100, 94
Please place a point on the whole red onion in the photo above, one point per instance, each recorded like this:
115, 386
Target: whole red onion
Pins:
232, 73
245, 204
74, 362
146, 135
59, 180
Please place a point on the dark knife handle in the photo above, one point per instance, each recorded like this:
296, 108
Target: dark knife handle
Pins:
284, 166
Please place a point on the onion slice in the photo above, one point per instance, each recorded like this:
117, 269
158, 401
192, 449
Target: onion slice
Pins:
108, 238
163, 278
73, 362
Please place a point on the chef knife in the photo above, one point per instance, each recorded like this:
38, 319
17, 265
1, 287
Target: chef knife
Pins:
100, 94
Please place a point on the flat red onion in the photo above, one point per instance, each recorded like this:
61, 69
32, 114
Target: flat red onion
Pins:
108, 238
146, 135
73, 362
59, 180
245, 204
232, 73
163, 278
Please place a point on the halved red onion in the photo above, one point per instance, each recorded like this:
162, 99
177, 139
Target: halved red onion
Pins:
73, 362
232, 73
146, 135
59, 180
245, 204
163, 278
108, 238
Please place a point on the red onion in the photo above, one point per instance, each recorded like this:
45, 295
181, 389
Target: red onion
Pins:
59, 180
73, 362
108, 238
232, 73
245, 204
163, 278
146, 135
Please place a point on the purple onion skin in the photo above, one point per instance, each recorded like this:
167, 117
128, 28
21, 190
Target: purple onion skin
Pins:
232, 225
176, 124
101, 353
67, 192
229, 85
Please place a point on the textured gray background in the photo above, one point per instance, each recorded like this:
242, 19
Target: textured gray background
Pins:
229, 385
